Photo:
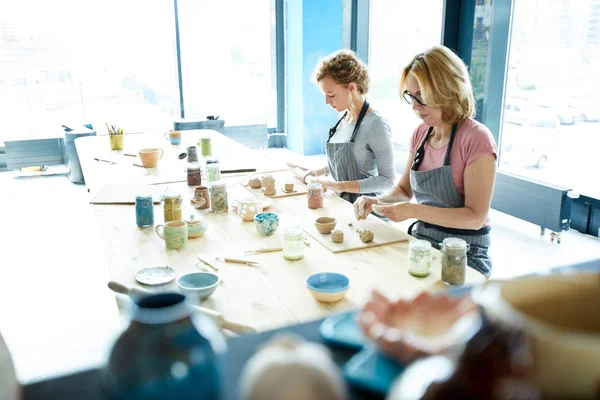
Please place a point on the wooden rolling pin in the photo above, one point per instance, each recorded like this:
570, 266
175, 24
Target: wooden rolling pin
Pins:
216, 316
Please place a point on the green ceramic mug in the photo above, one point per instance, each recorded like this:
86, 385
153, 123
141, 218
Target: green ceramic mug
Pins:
174, 233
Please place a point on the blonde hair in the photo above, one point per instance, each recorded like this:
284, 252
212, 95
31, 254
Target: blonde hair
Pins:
444, 81
343, 67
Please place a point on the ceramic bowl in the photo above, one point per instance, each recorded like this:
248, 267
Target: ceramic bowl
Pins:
198, 284
266, 223
328, 287
559, 314
325, 225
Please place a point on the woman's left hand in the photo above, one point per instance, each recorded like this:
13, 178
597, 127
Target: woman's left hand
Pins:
396, 212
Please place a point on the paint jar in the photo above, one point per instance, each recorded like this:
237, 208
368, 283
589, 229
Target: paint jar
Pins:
315, 196
192, 154
144, 211
213, 172
201, 197
194, 177
293, 243
454, 260
419, 258
172, 206
218, 198
206, 147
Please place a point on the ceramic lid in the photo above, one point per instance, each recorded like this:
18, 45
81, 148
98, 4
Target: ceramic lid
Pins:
192, 221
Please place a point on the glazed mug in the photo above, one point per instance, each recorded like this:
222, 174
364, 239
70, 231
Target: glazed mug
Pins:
174, 233
174, 137
150, 156
248, 208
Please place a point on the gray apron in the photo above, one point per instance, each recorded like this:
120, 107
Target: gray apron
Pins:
436, 188
340, 157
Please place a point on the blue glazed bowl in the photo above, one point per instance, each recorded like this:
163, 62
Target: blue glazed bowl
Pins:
328, 287
266, 223
198, 284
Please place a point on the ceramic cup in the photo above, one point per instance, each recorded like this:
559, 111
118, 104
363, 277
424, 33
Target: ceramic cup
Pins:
266, 223
248, 208
174, 137
150, 156
174, 233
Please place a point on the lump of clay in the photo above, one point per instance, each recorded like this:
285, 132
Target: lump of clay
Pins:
289, 368
255, 183
366, 236
268, 185
337, 236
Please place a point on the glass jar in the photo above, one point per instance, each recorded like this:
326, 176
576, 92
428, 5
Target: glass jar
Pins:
454, 260
144, 210
194, 177
206, 147
293, 243
172, 207
213, 172
419, 258
315, 196
192, 154
218, 198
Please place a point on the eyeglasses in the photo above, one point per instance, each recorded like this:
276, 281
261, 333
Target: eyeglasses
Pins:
409, 98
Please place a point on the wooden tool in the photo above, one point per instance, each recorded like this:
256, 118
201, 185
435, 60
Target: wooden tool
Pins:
260, 251
106, 161
216, 316
210, 265
236, 261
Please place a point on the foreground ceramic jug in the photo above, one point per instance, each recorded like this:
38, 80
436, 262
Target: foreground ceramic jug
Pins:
166, 353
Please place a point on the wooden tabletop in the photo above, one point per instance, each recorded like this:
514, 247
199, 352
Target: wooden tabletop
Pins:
273, 294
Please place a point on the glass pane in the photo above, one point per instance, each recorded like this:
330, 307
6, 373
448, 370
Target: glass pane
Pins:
553, 84
72, 62
396, 36
228, 56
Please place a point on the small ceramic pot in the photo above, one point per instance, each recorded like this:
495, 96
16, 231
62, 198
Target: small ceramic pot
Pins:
289, 187
337, 236
196, 227
325, 225
255, 183
266, 223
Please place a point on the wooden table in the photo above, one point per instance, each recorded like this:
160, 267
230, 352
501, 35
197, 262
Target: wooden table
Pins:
274, 293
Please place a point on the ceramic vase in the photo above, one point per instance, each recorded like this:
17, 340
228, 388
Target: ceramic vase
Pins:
166, 353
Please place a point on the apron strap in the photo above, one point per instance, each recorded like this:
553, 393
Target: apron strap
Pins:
452, 231
420, 153
361, 115
334, 128
450, 143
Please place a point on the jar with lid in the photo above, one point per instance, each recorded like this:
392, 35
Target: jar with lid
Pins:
454, 260
144, 210
194, 177
419, 258
213, 172
293, 243
315, 195
218, 198
172, 206
206, 147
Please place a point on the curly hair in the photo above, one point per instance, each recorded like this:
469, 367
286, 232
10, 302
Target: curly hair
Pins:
444, 81
344, 67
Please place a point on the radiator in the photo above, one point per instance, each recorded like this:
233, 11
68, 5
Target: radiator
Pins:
539, 203
34, 152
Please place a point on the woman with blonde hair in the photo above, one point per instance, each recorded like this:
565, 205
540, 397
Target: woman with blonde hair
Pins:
360, 152
452, 164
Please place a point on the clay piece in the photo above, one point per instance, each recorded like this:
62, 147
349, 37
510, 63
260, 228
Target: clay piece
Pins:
255, 183
337, 236
366, 236
268, 185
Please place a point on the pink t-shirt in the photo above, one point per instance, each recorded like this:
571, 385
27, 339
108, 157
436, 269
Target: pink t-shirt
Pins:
472, 141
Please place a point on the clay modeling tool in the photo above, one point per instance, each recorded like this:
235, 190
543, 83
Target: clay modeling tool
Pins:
216, 316
260, 251
106, 161
236, 261
210, 265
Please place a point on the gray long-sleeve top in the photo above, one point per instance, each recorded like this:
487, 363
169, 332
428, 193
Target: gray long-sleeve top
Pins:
373, 151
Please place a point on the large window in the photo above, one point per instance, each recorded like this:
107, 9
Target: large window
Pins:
228, 60
551, 124
398, 31
72, 62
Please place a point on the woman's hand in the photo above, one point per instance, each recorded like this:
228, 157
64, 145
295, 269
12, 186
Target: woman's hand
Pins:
397, 212
328, 184
363, 206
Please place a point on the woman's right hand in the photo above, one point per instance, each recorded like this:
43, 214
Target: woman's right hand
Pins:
363, 206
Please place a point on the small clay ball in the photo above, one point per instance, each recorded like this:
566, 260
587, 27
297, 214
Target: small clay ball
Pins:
366, 236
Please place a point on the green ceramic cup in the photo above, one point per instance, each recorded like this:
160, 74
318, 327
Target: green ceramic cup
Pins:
174, 233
